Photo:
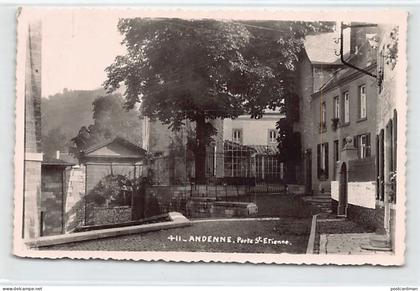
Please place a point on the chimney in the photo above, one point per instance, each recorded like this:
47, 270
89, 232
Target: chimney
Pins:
57, 155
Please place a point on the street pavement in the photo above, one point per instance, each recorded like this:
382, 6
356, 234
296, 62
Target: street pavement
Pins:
346, 244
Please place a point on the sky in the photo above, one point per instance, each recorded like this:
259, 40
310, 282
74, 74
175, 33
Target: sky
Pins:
76, 49
78, 45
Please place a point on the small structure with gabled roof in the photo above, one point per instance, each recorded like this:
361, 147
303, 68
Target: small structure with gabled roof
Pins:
116, 156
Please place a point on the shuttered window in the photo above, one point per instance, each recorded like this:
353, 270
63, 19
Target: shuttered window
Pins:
362, 143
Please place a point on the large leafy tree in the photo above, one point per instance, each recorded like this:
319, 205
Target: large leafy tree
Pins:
201, 70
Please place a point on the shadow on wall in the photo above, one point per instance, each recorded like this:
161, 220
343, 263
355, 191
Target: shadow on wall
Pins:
75, 217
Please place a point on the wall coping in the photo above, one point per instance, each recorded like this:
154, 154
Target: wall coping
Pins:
36, 157
177, 220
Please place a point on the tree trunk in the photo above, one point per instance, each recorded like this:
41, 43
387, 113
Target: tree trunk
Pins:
200, 151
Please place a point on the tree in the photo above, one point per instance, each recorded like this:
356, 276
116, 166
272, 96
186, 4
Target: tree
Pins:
110, 119
55, 140
201, 70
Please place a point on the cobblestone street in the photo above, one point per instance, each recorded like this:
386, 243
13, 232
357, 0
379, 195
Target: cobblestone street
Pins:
268, 236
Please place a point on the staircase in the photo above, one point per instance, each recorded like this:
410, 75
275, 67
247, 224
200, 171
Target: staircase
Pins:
321, 202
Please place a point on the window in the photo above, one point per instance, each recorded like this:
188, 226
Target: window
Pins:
323, 112
322, 155
336, 151
237, 135
362, 102
336, 107
323, 124
363, 145
272, 136
346, 107
268, 168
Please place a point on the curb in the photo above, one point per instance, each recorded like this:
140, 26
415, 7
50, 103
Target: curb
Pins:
177, 220
311, 241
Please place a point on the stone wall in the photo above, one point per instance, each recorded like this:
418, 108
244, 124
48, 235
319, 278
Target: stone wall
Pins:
361, 170
52, 200
111, 215
359, 193
74, 197
370, 218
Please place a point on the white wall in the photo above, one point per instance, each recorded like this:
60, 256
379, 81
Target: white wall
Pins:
359, 193
255, 131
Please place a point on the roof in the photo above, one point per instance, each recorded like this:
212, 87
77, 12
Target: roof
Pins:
322, 48
117, 139
69, 158
266, 149
56, 162
257, 149
346, 73
239, 146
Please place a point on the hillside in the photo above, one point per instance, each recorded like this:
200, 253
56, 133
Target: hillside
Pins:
102, 115
68, 111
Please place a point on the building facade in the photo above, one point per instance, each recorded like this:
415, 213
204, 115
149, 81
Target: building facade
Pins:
339, 126
258, 138
388, 122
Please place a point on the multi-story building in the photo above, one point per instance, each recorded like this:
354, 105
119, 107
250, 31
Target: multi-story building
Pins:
243, 149
388, 121
258, 139
339, 121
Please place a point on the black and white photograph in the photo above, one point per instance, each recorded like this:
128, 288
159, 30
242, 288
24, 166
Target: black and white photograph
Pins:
200, 135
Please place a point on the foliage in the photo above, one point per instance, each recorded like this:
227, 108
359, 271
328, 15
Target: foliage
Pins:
289, 142
114, 189
201, 70
54, 141
58, 111
110, 120
390, 52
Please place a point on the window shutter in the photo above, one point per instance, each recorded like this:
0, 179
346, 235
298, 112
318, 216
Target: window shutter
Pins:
318, 156
368, 145
326, 160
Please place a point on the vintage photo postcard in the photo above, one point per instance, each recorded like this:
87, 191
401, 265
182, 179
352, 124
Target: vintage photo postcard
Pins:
259, 136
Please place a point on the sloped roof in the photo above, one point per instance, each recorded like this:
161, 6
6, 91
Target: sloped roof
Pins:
322, 48
362, 60
239, 146
56, 162
266, 149
69, 158
117, 139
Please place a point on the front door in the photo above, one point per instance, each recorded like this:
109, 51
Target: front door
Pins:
342, 199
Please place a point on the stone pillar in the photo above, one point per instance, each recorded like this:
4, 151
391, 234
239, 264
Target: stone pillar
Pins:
349, 152
33, 156
32, 196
